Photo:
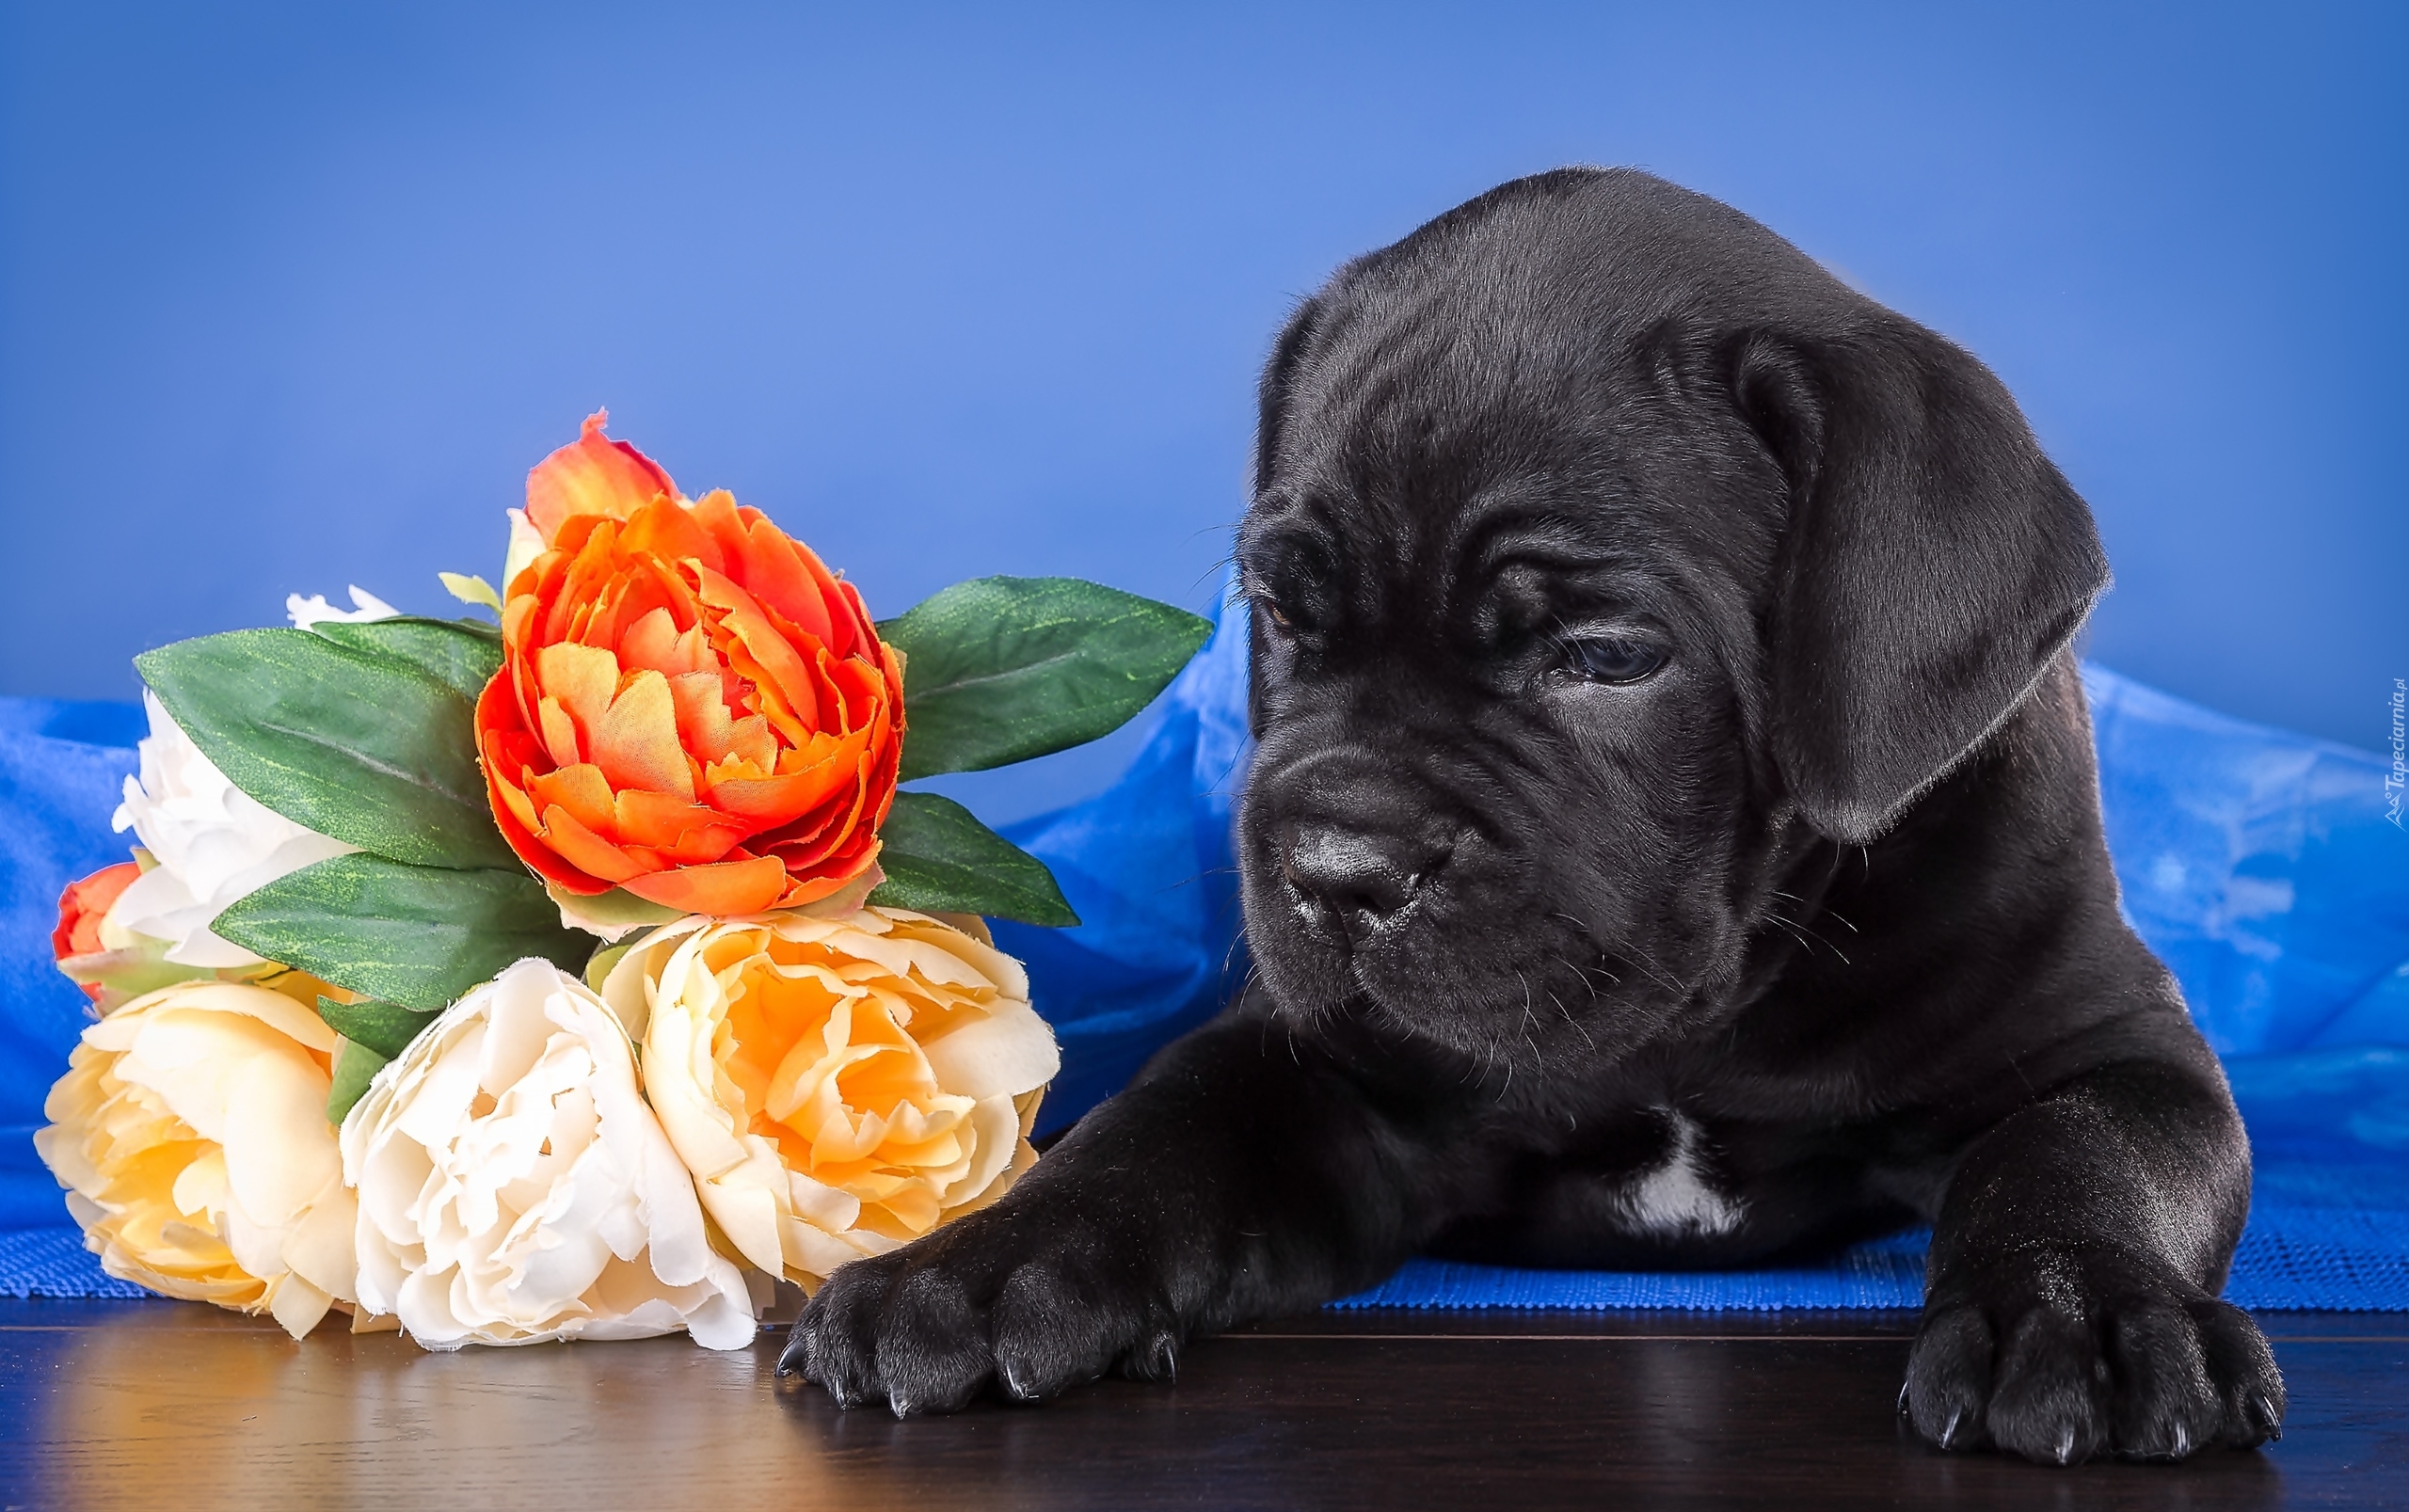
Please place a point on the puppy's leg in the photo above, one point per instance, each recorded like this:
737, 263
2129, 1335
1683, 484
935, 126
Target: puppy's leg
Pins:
2071, 1302
1234, 1180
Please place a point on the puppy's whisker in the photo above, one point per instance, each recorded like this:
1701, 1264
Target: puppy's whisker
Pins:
1649, 969
1571, 1022
1816, 907
1804, 935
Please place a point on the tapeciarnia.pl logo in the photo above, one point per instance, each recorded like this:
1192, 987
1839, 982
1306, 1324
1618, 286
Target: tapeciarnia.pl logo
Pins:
2395, 779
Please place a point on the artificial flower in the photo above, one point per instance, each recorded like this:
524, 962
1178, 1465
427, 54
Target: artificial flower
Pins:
191, 1133
691, 707
314, 610
210, 843
837, 1087
514, 1186
80, 909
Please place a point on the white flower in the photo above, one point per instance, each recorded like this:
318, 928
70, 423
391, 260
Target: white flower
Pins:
191, 1130
526, 545
838, 1086
515, 1187
212, 842
314, 610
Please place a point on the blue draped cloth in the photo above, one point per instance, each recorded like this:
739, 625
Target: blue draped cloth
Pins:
2262, 865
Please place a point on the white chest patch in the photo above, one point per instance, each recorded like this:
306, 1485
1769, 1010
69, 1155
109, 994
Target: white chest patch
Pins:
1674, 1199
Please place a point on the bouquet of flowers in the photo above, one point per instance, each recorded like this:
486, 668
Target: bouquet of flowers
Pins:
585, 973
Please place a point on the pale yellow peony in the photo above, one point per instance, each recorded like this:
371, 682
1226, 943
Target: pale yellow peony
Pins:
514, 1187
191, 1131
837, 1087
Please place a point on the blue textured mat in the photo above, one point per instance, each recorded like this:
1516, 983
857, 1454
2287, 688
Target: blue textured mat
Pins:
2267, 867
2291, 1259
53, 1263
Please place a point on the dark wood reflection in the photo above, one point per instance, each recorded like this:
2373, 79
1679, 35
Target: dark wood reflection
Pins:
163, 1406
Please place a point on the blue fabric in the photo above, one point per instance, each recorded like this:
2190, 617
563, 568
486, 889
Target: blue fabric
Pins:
62, 772
1146, 865
2291, 1259
53, 1263
2262, 865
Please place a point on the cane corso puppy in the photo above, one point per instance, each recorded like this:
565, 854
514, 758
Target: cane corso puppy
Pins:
1672, 840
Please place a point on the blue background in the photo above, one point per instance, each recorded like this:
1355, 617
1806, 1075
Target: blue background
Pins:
290, 298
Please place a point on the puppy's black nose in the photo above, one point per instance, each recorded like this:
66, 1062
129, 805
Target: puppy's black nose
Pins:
1351, 883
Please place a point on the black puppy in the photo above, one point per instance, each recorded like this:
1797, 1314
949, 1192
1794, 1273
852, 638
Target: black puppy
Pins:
1673, 841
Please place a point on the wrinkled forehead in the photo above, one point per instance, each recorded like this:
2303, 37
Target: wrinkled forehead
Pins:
1437, 469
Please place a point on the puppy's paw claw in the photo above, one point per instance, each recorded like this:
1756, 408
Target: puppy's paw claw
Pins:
2059, 1355
975, 1308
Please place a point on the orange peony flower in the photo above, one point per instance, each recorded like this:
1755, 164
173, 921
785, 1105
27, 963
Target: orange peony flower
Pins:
82, 907
691, 706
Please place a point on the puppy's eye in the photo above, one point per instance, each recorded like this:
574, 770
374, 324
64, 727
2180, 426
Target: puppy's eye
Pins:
1612, 658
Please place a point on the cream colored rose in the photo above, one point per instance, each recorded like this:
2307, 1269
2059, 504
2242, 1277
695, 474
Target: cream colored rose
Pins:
191, 1131
837, 1086
514, 1187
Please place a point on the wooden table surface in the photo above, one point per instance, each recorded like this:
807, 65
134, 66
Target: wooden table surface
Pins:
179, 1407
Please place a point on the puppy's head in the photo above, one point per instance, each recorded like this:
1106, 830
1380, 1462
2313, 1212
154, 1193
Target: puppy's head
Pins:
1600, 540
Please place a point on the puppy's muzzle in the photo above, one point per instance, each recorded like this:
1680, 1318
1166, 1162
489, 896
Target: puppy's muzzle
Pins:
1347, 884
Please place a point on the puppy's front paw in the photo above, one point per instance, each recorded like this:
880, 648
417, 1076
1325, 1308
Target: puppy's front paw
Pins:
2059, 1355
983, 1301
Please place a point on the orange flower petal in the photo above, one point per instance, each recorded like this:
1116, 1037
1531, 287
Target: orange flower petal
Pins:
581, 790
512, 812
586, 851
702, 721
635, 743
750, 741
655, 642
747, 886
756, 649
774, 572
689, 831
718, 514
560, 733
82, 907
804, 890
514, 801
669, 531
592, 475
585, 678
770, 801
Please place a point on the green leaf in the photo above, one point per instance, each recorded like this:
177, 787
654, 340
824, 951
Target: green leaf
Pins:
1003, 669
940, 860
387, 1029
471, 589
365, 745
610, 916
597, 970
356, 1066
418, 936
462, 654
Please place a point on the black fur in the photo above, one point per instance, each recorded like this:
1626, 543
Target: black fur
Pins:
1806, 935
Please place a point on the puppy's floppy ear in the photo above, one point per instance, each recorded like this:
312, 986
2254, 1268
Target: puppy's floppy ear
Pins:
1271, 423
1934, 564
